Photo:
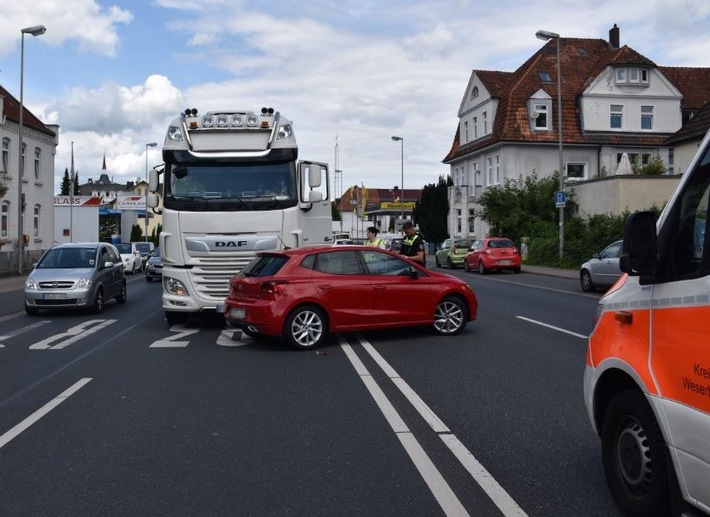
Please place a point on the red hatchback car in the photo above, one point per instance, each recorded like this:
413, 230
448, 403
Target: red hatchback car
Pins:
492, 253
301, 295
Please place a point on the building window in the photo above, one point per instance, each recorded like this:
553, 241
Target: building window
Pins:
5, 163
475, 127
670, 161
4, 211
465, 125
35, 221
540, 116
485, 122
576, 171
458, 221
647, 117
632, 75
471, 221
38, 153
474, 92
489, 172
545, 77
616, 112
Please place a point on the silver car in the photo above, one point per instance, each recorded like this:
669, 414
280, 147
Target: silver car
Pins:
602, 270
76, 275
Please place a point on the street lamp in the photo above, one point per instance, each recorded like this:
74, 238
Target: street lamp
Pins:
547, 35
145, 235
35, 30
401, 197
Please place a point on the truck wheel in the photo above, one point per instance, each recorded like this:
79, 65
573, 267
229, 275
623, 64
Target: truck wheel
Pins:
585, 280
450, 316
305, 328
176, 318
634, 455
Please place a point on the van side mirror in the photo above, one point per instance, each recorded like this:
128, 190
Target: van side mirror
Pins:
639, 251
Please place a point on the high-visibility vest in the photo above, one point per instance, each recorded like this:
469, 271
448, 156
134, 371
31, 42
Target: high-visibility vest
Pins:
377, 243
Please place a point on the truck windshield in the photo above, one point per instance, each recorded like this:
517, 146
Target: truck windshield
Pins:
230, 186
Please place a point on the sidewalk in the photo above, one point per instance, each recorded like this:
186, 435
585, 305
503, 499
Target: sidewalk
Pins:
12, 282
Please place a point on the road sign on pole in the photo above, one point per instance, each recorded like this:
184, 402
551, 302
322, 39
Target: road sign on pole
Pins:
560, 199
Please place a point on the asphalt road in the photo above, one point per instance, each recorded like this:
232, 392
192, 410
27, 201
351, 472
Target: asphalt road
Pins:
118, 414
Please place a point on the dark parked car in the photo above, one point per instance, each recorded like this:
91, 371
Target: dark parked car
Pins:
154, 266
76, 275
602, 270
303, 294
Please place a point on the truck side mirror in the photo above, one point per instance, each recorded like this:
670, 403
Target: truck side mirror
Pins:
153, 180
315, 175
639, 251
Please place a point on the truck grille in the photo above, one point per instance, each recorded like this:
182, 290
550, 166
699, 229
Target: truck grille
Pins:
211, 276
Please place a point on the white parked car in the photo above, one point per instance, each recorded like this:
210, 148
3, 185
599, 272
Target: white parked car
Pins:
130, 256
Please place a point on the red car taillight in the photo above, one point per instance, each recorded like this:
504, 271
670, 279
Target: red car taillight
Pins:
272, 287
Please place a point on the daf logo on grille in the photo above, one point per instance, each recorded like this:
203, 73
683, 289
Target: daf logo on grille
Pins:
230, 244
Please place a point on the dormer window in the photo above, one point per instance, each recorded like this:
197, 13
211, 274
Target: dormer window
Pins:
632, 75
540, 115
545, 77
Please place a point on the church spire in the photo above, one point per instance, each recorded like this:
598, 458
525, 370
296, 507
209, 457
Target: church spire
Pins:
103, 167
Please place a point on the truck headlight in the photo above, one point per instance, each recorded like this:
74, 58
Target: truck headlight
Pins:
285, 131
175, 134
174, 286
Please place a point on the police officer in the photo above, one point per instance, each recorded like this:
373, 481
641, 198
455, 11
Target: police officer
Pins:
372, 239
412, 244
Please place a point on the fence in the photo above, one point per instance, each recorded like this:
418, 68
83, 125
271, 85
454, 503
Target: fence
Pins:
8, 261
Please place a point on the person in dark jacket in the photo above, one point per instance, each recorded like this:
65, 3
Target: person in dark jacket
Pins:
412, 244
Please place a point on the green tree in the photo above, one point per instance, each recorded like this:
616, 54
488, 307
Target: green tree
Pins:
430, 212
64, 188
335, 212
136, 233
77, 190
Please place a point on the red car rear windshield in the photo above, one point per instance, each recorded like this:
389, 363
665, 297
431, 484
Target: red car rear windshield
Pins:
267, 265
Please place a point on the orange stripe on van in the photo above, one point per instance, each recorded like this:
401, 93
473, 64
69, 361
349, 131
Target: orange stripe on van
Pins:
614, 338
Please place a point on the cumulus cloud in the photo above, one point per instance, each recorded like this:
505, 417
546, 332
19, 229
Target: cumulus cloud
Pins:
92, 27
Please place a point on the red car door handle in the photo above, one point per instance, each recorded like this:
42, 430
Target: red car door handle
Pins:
325, 287
379, 288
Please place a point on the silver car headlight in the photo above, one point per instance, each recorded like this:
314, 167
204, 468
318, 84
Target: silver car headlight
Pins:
31, 284
84, 282
174, 286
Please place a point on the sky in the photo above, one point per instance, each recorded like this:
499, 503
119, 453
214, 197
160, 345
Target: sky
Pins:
349, 74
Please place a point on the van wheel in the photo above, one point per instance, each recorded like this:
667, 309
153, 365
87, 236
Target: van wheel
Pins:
450, 316
98, 306
634, 455
585, 280
305, 328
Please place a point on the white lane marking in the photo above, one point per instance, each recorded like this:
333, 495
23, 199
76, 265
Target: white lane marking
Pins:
558, 329
73, 335
34, 417
172, 341
552, 289
23, 330
490, 486
442, 492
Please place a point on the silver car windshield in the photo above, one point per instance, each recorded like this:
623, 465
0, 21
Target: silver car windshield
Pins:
67, 258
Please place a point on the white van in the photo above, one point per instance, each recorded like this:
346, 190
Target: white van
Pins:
647, 375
